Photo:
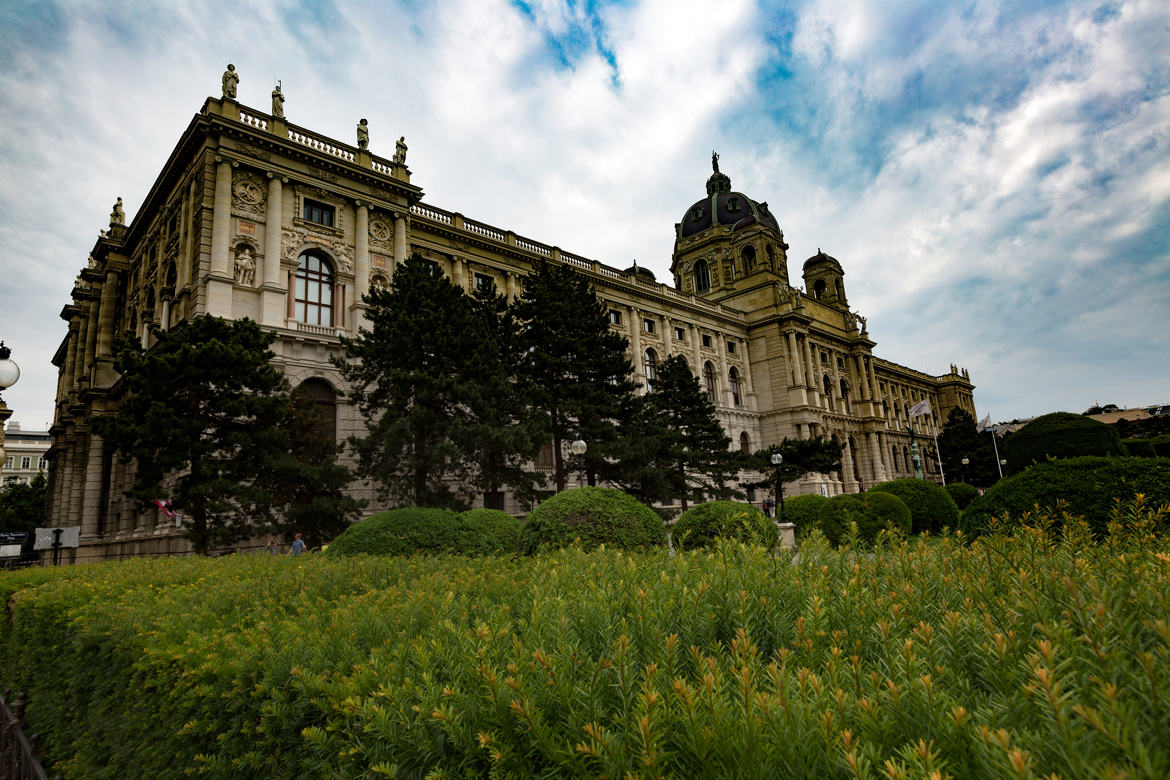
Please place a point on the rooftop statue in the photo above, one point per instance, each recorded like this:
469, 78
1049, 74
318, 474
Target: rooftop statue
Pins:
400, 150
118, 215
715, 161
230, 80
277, 102
363, 135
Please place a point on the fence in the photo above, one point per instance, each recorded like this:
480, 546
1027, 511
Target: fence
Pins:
18, 753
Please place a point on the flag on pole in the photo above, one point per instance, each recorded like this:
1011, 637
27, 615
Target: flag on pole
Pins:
165, 506
982, 426
920, 408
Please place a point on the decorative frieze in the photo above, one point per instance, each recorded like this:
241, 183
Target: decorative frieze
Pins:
248, 195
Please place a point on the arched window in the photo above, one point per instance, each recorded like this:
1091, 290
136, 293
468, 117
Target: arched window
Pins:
314, 290
702, 276
819, 289
733, 383
771, 257
748, 256
853, 458
709, 380
845, 396
894, 453
650, 367
906, 459
745, 443
828, 386
324, 405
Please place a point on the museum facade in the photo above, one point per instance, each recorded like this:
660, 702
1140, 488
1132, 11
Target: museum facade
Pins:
252, 216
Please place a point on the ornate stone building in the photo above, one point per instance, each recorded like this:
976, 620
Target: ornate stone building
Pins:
255, 217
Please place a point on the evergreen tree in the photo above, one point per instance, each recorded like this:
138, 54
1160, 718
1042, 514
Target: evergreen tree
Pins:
680, 448
22, 506
200, 415
576, 374
817, 455
958, 439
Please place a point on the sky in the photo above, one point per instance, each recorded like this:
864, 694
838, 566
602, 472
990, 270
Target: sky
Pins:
993, 176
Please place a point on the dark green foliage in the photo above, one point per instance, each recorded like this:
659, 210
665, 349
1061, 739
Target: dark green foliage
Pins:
931, 507
962, 493
883, 511
1139, 448
1088, 485
1161, 446
801, 456
959, 439
595, 516
684, 451
702, 524
835, 515
802, 511
500, 531
201, 415
1060, 435
22, 507
576, 376
406, 531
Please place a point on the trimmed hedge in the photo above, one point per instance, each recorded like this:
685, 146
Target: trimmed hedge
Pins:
873, 512
931, 507
802, 511
499, 530
407, 531
1090, 485
962, 493
702, 524
1060, 435
596, 516
1139, 448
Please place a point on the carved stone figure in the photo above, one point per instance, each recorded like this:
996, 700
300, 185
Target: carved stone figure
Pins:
245, 266
715, 161
862, 320
378, 283
400, 151
277, 102
248, 195
118, 215
363, 134
230, 80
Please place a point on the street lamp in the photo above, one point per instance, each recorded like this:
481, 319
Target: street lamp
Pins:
1002, 463
777, 459
9, 373
578, 447
966, 462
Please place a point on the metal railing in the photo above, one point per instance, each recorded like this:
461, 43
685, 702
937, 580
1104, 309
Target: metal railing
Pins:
18, 753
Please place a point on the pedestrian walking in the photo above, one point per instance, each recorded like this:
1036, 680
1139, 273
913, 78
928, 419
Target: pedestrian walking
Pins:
298, 546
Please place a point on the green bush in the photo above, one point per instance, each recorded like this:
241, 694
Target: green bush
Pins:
1060, 435
596, 516
1089, 485
702, 524
405, 532
931, 507
837, 513
1139, 448
802, 511
962, 493
499, 531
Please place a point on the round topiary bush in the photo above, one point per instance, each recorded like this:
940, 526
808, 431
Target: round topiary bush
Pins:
596, 516
1139, 448
883, 511
837, 513
1060, 435
402, 532
1089, 485
702, 524
491, 530
802, 511
962, 493
931, 507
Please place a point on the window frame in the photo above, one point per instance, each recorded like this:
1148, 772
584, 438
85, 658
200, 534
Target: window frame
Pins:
306, 279
309, 207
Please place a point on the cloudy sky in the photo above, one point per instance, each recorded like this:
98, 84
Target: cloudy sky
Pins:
993, 176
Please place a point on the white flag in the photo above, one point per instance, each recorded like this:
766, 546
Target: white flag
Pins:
983, 423
920, 408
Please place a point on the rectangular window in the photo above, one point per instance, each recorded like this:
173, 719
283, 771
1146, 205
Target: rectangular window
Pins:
25, 463
706, 341
493, 499
648, 326
824, 359
41, 464
731, 347
483, 282
320, 213
8, 462
615, 317
544, 458
680, 334
841, 363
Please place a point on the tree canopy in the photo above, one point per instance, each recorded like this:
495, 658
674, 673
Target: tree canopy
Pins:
801, 456
22, 505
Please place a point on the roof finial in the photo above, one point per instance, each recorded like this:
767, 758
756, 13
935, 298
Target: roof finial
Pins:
715, 160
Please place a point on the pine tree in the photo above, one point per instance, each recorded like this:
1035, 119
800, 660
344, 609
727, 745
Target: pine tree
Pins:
576, 374
680, 448
958, 439
200, 414
817, 455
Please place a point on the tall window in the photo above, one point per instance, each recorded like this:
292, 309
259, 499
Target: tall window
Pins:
314, 291
702, 276
745, 444
733, 383
828, 386
709, 380
615, 317
845, 396
324, 404
650, 366
749, 259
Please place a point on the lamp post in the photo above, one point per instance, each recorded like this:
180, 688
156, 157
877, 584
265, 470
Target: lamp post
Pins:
777, 459
1002, 463
578, 447
966, 462
9, 373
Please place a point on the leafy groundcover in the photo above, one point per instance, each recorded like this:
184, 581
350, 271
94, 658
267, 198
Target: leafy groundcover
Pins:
1010, 656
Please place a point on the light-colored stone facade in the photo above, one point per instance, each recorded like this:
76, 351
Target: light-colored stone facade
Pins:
24, 454
240, 201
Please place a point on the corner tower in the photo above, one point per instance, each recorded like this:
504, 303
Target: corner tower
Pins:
725, 240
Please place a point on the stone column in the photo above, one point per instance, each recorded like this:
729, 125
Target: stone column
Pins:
863, 376
696, 346
875, 448
636, 348
667, 337
721, 351
459, 273
70, 366
92, 490
166, 313
105, 342
848, 481
361, 250
399, 241
83, 328
748, 389
272, 294
814, 382
219, 286
92, 325
796, 360
188, 239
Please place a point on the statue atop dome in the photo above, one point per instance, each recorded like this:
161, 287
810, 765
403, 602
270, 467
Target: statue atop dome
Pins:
715, 161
